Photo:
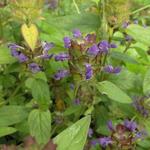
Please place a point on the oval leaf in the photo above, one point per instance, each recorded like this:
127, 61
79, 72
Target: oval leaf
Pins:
40, 125
146, 83
6, 131
30, 34
113, 92
10, 115
74, 137
139, 33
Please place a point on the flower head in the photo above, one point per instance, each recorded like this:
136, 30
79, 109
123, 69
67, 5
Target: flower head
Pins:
90, 132
110, 126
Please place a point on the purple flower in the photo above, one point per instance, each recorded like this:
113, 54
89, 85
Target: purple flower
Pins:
111, 69
130, 125
67, 42
94, 142
77, 33
104, 47
93, 50
90, 132
110, 126
34, 67
77, 101
14, 46
15, 53
72, 87
88, 72
61, 74
22, 58
112, 45
47, 46
62, 57
105, 141
125, 24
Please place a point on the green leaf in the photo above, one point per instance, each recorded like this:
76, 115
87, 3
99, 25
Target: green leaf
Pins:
139, 33
123, 57
10, 115
40, 91
40, 125
5, 56
74, 137
113, 92
146, 83
6, 131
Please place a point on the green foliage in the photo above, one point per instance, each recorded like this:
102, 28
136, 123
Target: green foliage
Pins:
40, 91
113, 92
146, 83
6, 131
73, 137
40, 125
12, 115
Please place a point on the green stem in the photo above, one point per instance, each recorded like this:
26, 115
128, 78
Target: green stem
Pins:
76, 6
140, 9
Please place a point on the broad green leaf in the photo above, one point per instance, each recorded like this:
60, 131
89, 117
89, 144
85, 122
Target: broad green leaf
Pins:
40, 125
40, 91
139, 33
123, 57
30, 34
6, 131
5, 56
146, 83
113, 92
74, 137
10, 115
72, 110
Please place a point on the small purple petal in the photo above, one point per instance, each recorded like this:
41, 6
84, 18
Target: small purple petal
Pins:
94, 142
112, 45
111, 69
47, 46
61, 74
90, 38
62, 57
34, 67
77, 33
116, 70
110, 126
89, 71
104, 47
67, 42
108, 69
93, 50
14, 46
22, 58
130, 125
15, 53
105, 141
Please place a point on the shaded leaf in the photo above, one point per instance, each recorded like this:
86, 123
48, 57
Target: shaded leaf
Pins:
6, 131
113, 92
